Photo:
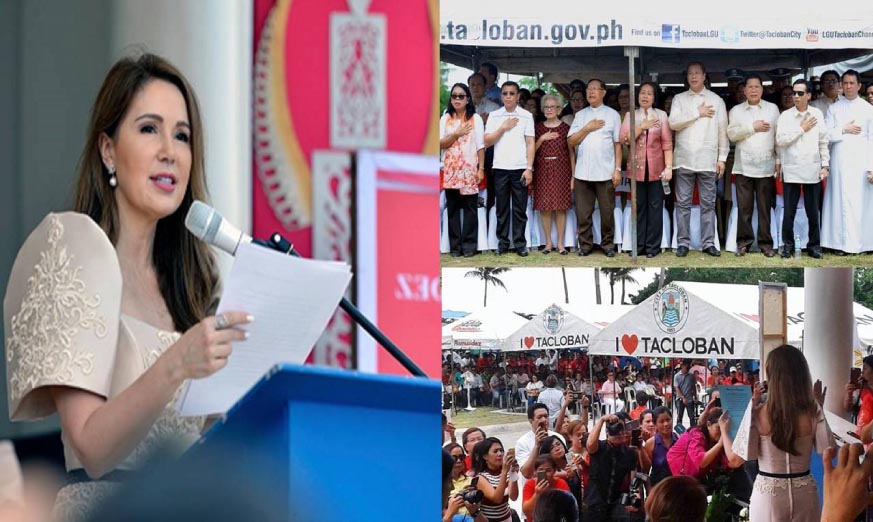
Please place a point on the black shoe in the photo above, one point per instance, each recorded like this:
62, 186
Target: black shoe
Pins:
682, 251
785, 253
470, 253
815, 253
500, 252
653, 253
563, 252
522, 252
711, 250
584, 253
455, 253
546, 251
610, 252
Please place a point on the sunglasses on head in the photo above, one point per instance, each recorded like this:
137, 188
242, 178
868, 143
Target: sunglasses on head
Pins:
459, 96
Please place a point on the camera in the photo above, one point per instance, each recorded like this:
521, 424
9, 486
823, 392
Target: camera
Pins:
634, 496
473, 496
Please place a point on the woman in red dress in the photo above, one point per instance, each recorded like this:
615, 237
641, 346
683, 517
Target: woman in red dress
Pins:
553, 168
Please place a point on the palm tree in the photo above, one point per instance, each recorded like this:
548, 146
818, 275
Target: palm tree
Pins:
566, 293
488, 275
619, 275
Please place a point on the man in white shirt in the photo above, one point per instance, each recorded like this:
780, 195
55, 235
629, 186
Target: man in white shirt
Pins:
484, 105
753, 128
511, 130
699, 122
528, 446
552, 397
830, 91
595, 136
847, 212
802, 139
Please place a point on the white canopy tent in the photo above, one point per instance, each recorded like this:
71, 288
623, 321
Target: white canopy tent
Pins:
676, 323
553, 328
742, 302
562, 41
481, 330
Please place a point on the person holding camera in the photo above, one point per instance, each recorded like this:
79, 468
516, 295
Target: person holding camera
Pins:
495, 478
464, 500
455, 502
858, 398
613, 474
529, 444
567, 467
546, 479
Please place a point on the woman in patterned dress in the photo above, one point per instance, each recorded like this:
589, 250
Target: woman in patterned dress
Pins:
553, 172
98, 299
462, 138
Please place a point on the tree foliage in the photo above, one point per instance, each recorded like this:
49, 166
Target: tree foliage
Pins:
737, 276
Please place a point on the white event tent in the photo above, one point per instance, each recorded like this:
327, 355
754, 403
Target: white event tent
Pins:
742, 302
677, 323
481, 330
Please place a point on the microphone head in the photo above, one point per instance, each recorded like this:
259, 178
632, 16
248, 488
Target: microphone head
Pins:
208, 225
203, 221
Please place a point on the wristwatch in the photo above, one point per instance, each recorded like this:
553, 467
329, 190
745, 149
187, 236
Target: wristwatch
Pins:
529, 168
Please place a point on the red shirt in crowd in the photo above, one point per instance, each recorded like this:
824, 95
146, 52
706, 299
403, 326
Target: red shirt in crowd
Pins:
530, 485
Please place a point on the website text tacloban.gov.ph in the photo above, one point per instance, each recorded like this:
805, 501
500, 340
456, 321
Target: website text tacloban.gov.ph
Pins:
503, 30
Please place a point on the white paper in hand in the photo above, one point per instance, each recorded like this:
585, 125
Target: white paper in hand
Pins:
291, 299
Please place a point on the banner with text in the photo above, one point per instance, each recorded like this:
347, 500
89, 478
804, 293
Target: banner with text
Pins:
512, 23
554, 327
398, 286
676, 323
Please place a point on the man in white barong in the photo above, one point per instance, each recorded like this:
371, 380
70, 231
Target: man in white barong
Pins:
802, 139
847, 213
752, 126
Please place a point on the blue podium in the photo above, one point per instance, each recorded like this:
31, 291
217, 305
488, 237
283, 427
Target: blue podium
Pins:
332, 445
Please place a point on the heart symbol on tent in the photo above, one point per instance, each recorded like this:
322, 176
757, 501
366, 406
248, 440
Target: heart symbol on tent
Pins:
528, 341
629, 343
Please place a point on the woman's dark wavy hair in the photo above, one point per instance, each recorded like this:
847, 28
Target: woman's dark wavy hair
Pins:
549, 442
471, 110
185, 266
480, 450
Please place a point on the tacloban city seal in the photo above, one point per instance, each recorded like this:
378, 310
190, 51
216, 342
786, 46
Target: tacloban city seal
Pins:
670, 307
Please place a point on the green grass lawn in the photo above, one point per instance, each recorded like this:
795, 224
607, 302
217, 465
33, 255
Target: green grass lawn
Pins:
695, 259
484, 416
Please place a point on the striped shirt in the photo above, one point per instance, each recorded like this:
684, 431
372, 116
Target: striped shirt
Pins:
495, 512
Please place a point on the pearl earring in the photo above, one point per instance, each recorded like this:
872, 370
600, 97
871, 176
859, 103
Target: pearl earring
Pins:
113, 180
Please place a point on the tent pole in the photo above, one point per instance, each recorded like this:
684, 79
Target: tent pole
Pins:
452, 376
591, 384
632, 53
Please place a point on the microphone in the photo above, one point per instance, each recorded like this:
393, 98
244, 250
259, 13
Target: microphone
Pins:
208, 225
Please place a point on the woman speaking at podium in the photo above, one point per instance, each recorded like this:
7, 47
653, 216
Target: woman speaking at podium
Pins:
106, 309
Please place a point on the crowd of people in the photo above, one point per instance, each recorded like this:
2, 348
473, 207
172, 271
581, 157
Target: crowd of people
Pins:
640, 466
777, 142
519, 380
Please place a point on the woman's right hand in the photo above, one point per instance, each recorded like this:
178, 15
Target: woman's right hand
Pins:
204, 348
464, 129
507, 463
